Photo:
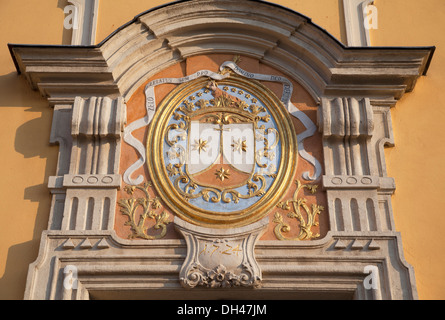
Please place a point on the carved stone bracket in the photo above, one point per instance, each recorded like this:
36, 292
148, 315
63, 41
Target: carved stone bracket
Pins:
347, 125
355, 130
220, 258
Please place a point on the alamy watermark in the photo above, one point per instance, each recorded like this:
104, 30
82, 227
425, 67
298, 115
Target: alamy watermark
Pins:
72, 19
70, 280
372, 280
236, 142
370, 14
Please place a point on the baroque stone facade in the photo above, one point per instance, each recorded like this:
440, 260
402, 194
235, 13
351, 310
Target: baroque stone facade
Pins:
353, 89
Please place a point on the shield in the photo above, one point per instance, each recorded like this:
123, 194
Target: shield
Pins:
203, 148
239, 146
219, 153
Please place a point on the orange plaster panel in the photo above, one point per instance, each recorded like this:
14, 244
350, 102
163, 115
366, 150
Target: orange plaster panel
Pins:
300, 97
313, 145
208, 177
135, 111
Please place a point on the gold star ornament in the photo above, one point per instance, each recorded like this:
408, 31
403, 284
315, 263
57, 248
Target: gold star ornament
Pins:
222, 174
200, 145
239, 145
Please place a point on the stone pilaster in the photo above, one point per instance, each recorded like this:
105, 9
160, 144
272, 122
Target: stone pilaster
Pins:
85, 190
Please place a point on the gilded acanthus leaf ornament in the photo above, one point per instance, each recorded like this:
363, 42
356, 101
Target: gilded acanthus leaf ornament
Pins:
139, 209
294, 207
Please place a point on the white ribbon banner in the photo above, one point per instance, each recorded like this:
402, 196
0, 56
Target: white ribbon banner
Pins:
150, 106
151, 109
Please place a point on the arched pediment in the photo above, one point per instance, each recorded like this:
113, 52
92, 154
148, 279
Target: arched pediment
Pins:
279, 37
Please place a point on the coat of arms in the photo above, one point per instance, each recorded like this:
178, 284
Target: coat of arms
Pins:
222, 147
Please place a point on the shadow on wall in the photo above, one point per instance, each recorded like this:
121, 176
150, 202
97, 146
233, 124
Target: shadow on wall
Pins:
13, 282
31, 140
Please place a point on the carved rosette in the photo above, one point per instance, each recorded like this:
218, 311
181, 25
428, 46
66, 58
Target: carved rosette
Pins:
220, 258
220, 277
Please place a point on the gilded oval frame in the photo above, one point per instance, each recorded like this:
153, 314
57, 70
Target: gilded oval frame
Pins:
198, 216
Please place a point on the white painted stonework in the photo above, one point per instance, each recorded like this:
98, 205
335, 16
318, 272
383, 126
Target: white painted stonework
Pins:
357, 32
84, 29
355, 89
220, 258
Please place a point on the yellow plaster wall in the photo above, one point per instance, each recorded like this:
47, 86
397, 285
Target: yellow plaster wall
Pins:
417, 162
27, 159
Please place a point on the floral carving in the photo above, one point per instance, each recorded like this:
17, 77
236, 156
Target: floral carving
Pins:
298, 203
147, 207
220, 277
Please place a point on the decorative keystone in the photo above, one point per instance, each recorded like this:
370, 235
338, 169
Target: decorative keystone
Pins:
220, 258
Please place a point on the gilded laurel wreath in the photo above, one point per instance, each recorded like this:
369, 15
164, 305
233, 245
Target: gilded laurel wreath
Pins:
294, 207
141, 209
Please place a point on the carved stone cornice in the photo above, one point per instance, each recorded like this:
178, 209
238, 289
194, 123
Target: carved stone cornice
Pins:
157, 39
333, 267
61, 73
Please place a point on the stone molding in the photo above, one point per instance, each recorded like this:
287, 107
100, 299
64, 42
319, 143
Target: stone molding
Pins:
358, 189
106, 268
347, 124
283, 39
96, 128
355, 89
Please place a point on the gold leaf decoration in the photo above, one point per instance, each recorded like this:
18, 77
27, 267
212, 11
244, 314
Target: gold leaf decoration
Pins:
294, 207
139, 209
